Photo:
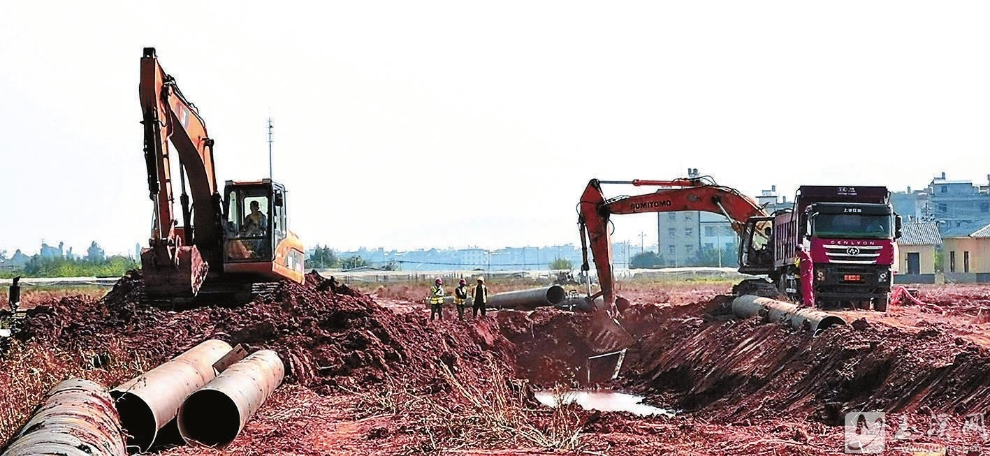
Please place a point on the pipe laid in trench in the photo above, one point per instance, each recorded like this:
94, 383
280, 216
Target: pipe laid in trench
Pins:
217, 413
528, 299
783, 312
77, 418
151, 400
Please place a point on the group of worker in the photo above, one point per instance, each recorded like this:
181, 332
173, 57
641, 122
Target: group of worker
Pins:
480, 301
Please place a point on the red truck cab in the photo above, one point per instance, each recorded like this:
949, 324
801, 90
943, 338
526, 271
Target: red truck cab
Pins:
850, 233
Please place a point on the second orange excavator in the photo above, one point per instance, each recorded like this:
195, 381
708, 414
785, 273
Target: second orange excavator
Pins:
747, 217
229, 244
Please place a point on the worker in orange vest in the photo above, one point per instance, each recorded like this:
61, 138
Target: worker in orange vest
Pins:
807, 268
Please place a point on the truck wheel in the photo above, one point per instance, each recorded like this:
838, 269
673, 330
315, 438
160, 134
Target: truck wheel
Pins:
863, 304
880, 304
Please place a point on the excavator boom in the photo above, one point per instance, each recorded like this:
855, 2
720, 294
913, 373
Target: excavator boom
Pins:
686, 194
178, 259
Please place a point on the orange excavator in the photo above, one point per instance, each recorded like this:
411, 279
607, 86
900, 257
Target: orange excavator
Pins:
749, 220
228, 244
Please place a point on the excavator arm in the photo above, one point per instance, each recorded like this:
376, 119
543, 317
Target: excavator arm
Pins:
690, 194
178, 258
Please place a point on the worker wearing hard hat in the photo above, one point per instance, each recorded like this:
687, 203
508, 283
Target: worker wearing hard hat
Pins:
436, 299
480, 298
460, 298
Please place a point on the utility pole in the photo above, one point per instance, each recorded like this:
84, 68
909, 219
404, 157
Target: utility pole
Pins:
271, 175
642, 236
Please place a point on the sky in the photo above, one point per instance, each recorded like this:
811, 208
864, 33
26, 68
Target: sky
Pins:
451, 124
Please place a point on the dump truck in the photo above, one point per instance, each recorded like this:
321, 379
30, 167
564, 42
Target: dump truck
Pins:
850, 234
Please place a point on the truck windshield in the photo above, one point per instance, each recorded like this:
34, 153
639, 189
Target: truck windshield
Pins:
859, 226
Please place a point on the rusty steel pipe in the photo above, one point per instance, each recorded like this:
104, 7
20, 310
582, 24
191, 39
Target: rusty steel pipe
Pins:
528, 299
151, 400
217, 413
77, 418
783, 312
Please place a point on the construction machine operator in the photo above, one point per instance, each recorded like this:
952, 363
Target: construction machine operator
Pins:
255, 223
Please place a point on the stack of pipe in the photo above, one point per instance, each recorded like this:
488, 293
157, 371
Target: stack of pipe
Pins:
209, 407
151, 400
77, 418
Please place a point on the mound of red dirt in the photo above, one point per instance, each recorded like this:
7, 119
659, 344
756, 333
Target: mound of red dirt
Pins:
745, 370
326, 334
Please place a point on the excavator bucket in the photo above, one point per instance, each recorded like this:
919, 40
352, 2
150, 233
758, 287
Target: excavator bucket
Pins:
179, 278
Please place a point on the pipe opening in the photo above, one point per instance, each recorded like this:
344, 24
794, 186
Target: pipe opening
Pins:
137, 419
830, 321
209, 417
556, 294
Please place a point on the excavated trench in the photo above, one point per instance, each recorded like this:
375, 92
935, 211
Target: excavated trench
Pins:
700, 360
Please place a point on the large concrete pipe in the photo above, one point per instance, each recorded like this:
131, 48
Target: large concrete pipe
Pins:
151, 400
217, 413
528, 299
77, 418
783, 312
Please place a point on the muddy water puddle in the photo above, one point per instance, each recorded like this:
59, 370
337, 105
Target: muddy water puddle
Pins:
605, 401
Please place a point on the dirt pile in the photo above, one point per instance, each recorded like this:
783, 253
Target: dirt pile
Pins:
327, 334
746, 370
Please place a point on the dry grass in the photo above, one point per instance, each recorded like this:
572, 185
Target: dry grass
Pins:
29, 372
477, 410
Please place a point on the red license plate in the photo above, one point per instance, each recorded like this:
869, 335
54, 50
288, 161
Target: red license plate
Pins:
851, 277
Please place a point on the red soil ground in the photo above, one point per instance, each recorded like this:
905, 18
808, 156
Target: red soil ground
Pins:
369, 376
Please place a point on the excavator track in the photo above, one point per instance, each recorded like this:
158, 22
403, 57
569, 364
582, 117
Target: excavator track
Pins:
213, 294
756, 287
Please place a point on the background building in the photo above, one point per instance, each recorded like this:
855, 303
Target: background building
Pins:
916, 252
966, 252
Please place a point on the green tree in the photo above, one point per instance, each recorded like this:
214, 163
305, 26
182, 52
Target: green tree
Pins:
646, 260
95, 253
113, 266
710, 256
353, 262
323, 257
561, 264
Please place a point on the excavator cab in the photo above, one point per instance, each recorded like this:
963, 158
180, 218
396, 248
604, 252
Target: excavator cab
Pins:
256, 236
756, 249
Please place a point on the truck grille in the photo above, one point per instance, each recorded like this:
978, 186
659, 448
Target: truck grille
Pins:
852, 254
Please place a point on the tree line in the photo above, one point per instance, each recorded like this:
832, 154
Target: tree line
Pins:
94, 264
